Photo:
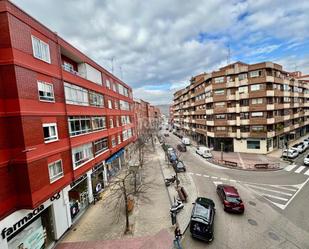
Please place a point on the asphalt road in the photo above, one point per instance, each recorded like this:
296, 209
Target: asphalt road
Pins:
276, 203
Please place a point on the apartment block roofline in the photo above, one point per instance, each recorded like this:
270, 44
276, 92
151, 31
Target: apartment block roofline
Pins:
6, 6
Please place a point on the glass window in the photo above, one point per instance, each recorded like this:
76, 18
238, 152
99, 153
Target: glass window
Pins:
75, 95
220, 128
242, 76
40, 49
113, 141
96, 99
219, 92
100, 145
256, 73
108, 84
219, 79
253, 144
124, 135
124, 105
110, 105
244, 115
243, 89
46, 91
257, 114
220, 116
111, 123
55, 170
98, 123
79, 125
50, 132
257, 101
115, 87
257, 128
119, 139
81, 154
219, 104
256, 87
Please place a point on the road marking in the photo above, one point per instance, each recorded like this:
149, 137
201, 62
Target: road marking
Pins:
275, 197
205, 175
223, 179
270, 190
290, 167
217, 183
301, 186
307, 172
198, 174
290, 188
214, 177
299, 169
190, 173
232, 180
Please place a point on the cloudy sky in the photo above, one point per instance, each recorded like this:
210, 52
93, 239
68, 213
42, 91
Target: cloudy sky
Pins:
158, 45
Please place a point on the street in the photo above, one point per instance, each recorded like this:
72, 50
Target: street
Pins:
274, 205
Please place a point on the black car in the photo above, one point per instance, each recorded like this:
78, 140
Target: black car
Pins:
202, 219
182, 147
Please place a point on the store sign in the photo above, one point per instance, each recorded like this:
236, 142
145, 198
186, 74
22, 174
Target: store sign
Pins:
78, 181
6, 232
55, 197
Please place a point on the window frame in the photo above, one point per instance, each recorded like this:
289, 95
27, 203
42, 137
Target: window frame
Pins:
35, 53
44, 125
59, 175
53, 93
256, 147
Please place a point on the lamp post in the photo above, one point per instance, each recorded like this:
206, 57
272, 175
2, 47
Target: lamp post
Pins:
17, 155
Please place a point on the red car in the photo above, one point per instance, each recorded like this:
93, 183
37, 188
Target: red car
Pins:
230, 198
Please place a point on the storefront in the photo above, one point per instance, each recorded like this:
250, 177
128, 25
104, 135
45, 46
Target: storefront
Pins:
114, 163
79, 196
98, 178
36, 229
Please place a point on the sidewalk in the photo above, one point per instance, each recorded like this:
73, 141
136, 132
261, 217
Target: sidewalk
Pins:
150, 216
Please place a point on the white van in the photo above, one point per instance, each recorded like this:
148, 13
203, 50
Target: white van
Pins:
185, 141
204, 152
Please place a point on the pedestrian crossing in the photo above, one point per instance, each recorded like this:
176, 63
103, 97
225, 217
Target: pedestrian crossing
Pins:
297, 169
278, 195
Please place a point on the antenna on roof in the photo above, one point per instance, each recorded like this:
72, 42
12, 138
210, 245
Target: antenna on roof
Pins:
228, 58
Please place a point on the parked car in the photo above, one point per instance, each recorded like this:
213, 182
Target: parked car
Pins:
166, 135
290, 153
306, 160
185, 141
300, 147
230, 198
202, 219
172, 157
179, 166
170, 150
182, 147
203, 151
305, 144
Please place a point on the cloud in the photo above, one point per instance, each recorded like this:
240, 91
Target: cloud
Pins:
169, 41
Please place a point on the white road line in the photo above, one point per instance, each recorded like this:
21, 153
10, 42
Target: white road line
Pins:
198, 174
291, 188
232, 180
290, 167
217, 183
307, 172
190, 173
223, 179
299, 169
275, 197
205, 175
270, 190
214, 177
297, 192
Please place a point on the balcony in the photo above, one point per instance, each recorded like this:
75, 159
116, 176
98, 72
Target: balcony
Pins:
230, 84
271, 134
286, 94
200, 121
231, 97
210, 122
232, 134
209, 100
258, 134
209, 111
270, 120
243, 95
244, 121
221, 133
296, 105
244, 134
296, 115
270, 93
231, 122
286, 105
231, 109
286, 129
244, 109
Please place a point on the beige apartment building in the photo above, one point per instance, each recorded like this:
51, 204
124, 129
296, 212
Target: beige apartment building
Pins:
249, 108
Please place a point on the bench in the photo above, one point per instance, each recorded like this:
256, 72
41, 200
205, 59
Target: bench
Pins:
261, 165
230, 163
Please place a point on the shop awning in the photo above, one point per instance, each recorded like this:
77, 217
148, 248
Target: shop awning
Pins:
114, 156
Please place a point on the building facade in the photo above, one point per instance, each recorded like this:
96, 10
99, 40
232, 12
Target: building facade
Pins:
248, 108
65, 126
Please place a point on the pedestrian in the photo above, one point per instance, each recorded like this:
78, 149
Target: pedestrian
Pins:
177, 237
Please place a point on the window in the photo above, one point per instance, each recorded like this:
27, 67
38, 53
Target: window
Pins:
119, 139
116, 104
75, 95
100, 145
111, 123
244, 115
229, 79
79, 125
256, 73
244, 102
220, 116
96, 99
242, 76
219, 92
81, 154
115, 87
129, 133
219, 104
55, 170
124, 105
257, 101
243, 89
257, 114
110, 105
125, 135
117, 121
50, 132
68, 67
46, 91
220, 128
219, 79
113, 141
244, 128
257, 128
108, 84
256, 87
40, 49
253, 144
98, 123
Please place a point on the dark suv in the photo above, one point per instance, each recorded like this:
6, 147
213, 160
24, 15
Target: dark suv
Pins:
202, 219
182, 147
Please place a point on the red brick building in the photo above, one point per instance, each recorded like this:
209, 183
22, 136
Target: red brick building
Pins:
65, 125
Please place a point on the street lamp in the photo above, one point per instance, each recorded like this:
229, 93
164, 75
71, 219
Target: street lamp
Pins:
17, 155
